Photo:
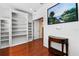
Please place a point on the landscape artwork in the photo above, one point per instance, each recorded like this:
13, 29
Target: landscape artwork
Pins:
62, 13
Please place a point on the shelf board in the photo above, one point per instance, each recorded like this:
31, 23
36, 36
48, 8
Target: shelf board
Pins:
29, 34
29, 25
19, 23
4, 32
29, 30
19, 31
4, 27
14, 20
13, 24
4, 22
18, 36
5, 37
14, 44
19, 27
4, 44
4, 40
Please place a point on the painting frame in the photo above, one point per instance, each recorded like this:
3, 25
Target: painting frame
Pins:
76, 4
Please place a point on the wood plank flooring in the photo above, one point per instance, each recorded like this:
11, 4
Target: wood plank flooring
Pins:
36, 48
33, 48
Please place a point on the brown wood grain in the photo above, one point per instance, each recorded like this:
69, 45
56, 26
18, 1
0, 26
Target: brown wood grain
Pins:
62, 41
33, 48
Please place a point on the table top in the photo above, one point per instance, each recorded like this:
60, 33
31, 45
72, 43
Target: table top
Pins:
57, 37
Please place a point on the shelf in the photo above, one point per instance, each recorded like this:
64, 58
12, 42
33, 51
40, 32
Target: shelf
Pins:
18, 31
30, 37
4, 44
13, 24
14, 34
16, 27
4, 35
19, 23
29, 31
3, 22
4, 28
3, 25
4, 40
29, 23
18, 43
29, 34
4, 32
13, 20
29, 28
18, 36
13, 13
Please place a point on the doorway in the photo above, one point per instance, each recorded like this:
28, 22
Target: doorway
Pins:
38, 30
37, 44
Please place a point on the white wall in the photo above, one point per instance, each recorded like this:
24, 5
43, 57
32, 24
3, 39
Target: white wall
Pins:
68, 30
5, 11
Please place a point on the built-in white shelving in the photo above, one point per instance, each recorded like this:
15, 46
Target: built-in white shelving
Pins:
4, 33
19, 28
16, 30
29, 30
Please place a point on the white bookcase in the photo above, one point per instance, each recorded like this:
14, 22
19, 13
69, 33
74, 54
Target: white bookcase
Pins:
15, 31
19, 28
4, 33
30, 31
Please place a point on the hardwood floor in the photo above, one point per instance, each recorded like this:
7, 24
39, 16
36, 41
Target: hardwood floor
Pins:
33, 48
36, 48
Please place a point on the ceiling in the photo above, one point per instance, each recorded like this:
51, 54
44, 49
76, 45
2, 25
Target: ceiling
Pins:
29, 7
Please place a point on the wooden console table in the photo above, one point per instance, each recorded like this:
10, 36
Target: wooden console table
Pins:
60, 40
